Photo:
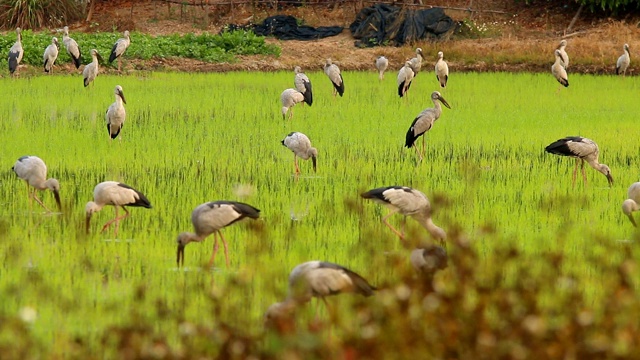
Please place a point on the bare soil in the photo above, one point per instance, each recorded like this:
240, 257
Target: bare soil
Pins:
512, 35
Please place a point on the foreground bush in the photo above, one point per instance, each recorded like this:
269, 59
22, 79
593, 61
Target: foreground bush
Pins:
33, 14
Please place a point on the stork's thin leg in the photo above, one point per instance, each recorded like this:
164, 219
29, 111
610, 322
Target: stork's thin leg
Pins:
35, 196
423, 141
215, 248
415, 146
384, 220
116, 220
295, 162
119, 64
584, 173
404, 222
575, 171
226, 250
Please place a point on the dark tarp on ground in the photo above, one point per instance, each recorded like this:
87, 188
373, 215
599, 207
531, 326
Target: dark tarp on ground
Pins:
286, 27
383, 24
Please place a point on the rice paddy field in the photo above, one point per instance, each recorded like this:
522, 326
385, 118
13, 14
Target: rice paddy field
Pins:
193, 138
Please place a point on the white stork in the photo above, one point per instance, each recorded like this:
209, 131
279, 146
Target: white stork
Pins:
72, 47
118, 195
416, 62
633, 202
582, 149
50, 55
424, 121
300, 144
289, 98
316, 279
16, 52
333, 72
558, 70
381, 64
405, 77
623, 61
33, 171
209, 218
116, 114
91, 70
429, 259
408, 202
442, 70
303, 85
563, 54
119, 48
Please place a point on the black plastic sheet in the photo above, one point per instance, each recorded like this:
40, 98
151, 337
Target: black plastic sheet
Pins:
286, 27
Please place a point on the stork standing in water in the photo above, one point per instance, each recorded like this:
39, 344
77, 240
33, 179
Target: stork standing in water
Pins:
408, 202
72, 47
50, 55
303, 85
289, 98
209, 218
582, 149
563, 54
316, 279
442, 70
558, 70
633, 202
116, 114
381, 64
416, 62
119, 49
16, 52
33, 171
118, 195
333, 72
424, 122
300, 144
91, 70
405, 77
623, 61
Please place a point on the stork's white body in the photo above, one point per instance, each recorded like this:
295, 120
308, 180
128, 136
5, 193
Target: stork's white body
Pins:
563, 54
632, 203
558, 70
623, 61
50, 55
442, 70
16, 52
416, 62
303, 85
34, 171
91, 70
405, 77
289, 98
582, 149
424, 122
333, 73
72, 47
117, 195
300, 144
119, 48
116, 113
381, 64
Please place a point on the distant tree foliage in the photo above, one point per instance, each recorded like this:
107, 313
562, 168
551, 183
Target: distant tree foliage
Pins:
610, 5
35, 14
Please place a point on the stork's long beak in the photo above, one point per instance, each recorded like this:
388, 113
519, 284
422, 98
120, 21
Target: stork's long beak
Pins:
57, 196
444, 102
633, 221
313, 160
121, 94
88, 223
180, 255
610, 179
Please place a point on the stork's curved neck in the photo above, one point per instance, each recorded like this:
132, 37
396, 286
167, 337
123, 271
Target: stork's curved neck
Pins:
436, 232
629, 206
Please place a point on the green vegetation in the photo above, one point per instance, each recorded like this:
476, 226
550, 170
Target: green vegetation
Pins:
538, 268
39, 13
205, 47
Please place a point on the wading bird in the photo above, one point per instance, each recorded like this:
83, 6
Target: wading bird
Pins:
50, 55
633, 202
558, 70
90, 71
119, 49
429, 259
442, 70
115, 194
72, 47
416, 62
16, 52
209, 218
289, 98
317, 279
303, 85
300, 144
623, 61
563, 54
582, 149
333, 72
408, 202
116, 114
34, 171
424, 122
381, 64
405, 77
